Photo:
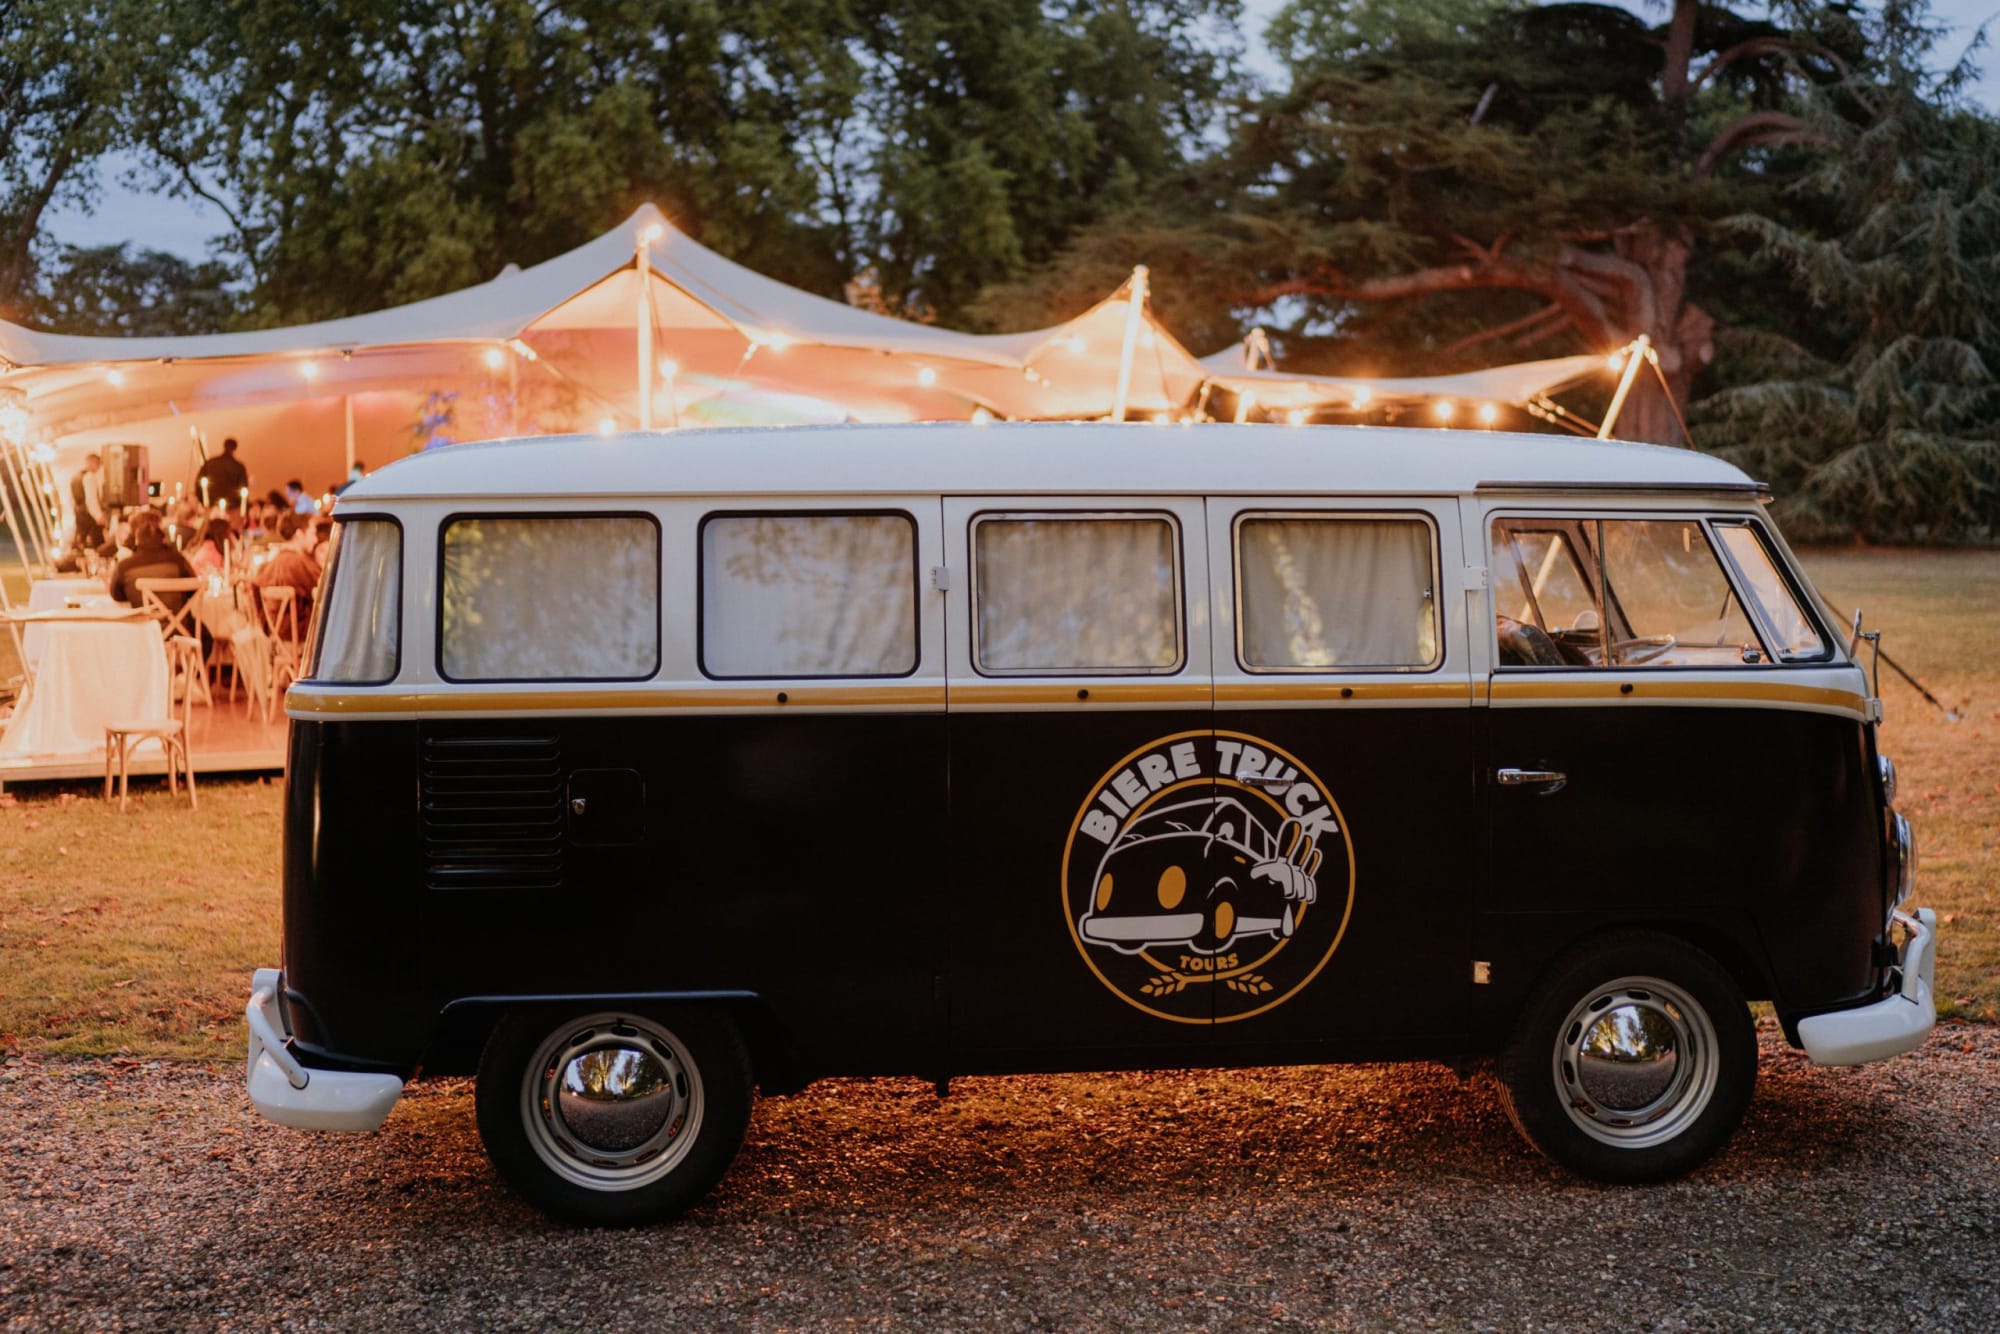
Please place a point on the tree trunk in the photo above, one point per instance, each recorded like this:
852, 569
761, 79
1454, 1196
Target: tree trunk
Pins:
1682, 334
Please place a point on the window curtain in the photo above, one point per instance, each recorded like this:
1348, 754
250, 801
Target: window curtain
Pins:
1084, 594
551, 599
360, 621
809, 595
1336, 594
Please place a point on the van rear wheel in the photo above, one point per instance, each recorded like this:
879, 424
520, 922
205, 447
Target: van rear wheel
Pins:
1633, 1061
613, 1117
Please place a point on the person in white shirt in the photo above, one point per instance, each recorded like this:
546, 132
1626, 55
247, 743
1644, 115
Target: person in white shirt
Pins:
86, 494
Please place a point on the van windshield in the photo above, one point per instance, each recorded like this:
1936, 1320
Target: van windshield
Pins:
1616, 593
359, 638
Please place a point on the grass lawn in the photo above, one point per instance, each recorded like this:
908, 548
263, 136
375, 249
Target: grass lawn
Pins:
136, 934
1939, 614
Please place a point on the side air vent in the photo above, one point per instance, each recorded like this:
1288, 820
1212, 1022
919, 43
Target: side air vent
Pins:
493, 815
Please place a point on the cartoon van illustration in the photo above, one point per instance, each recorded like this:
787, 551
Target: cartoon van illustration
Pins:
1201, 874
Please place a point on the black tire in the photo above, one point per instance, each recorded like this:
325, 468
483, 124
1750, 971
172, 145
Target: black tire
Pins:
1586, 1076
652, 1113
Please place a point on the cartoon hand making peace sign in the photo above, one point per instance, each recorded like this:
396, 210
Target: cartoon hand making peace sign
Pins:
1295, 865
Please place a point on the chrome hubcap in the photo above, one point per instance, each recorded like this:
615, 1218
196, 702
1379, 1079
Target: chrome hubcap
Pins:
611, 1102
1635, 1063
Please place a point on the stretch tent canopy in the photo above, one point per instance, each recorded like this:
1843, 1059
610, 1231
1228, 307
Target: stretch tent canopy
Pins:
641, 327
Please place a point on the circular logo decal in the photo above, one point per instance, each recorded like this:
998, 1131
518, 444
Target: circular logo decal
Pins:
1208, 877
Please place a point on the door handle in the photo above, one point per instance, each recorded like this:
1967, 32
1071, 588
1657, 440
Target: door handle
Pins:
1549, 780
1266, 784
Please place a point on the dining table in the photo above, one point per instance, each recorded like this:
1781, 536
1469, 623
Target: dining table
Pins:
100, 663
53, 595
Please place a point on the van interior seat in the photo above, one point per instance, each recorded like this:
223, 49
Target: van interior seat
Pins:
1524, 645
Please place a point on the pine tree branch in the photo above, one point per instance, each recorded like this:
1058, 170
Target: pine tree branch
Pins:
1757, 128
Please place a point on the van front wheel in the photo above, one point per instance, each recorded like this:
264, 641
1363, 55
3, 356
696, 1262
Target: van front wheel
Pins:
1633, 1061
613, 1117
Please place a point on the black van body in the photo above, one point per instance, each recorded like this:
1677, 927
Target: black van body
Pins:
933, 872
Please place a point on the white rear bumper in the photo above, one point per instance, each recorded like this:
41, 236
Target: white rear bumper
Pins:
292, 1095
1891, 1026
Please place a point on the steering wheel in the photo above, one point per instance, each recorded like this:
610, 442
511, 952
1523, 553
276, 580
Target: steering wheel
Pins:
1645, 648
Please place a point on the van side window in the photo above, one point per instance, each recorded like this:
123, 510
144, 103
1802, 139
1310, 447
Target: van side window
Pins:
1615, 593
815, 594
549, 599
1076, 593
1791, 629
361, 617
1332, 593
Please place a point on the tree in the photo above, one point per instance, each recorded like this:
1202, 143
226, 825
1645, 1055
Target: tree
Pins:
1894, 433
1538, 178
65, 68
117, 290
384, 150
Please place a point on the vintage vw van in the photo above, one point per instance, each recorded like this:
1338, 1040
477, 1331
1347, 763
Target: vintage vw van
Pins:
633, 774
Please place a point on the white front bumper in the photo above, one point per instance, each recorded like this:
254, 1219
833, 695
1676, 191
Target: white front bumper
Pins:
1891, 1026
292, 1095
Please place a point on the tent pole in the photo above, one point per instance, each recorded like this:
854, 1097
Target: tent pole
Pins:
1135, 310
34, 528
347, 425
1635, 354
513, 393
643, 320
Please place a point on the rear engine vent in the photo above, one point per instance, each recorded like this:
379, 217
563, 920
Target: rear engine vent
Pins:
493, 816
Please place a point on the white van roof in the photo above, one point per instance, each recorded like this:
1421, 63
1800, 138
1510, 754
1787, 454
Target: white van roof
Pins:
1041, 458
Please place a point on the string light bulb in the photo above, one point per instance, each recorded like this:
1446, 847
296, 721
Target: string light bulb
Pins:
1296, 417
309, 369
115, 376
1362, 398
926, 376
1075, 344
669, 368
606, 426
1488, 414
494, 358
1444, 409
651, 232
1615, 362
981, 417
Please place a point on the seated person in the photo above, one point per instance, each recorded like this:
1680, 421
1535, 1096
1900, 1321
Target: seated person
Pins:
292, 566
153, 557
210, 551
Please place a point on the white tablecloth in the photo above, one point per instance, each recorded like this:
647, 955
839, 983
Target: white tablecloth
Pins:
48, 595
91, 673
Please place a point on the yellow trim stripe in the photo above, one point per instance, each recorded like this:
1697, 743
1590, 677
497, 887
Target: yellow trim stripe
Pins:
1108, 693
333, 704
1644, 689
1304, 692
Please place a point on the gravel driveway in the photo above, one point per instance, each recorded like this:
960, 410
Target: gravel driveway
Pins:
1364, 1197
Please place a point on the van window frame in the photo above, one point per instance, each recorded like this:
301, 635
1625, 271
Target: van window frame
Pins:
1786, 576
1179, 562
1429, 520
659, 607
313, 646
1702, 520
916, 591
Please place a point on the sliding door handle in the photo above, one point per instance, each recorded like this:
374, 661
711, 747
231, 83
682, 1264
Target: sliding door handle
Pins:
1550, 781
